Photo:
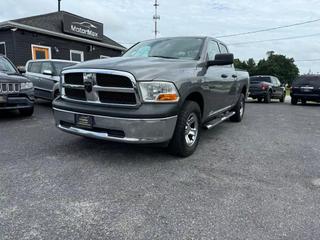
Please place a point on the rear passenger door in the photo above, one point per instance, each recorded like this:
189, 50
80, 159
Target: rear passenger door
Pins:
33, 73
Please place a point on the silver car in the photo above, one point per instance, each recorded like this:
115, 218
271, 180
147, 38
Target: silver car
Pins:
45, 75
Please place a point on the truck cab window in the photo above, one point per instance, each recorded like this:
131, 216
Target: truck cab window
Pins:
223, 49
213, 49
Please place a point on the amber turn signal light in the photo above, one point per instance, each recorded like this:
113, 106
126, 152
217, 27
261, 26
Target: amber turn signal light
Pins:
169, 97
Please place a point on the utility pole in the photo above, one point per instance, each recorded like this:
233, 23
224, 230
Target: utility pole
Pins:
59, 5
156, 17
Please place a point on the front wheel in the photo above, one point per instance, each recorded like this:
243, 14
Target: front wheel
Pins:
239, 109
187, 132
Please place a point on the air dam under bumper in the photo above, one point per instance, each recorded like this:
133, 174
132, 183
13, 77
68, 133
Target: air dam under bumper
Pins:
154, 130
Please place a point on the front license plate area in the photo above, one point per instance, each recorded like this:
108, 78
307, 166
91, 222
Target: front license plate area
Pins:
84, 121
3, 98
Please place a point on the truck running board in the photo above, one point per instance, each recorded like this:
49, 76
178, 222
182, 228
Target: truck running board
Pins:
219, 120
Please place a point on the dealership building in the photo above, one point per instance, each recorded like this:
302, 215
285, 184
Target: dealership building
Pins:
57, 35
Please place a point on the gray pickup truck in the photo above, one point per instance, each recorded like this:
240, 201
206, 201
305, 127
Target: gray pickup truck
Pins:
159, 91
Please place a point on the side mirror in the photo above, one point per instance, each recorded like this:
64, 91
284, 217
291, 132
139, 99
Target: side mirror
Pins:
47, 72
222, 59
21, 69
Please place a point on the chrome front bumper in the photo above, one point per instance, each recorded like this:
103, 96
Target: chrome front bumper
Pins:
154, 130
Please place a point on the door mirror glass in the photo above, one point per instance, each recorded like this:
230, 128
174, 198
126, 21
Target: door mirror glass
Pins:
47, 72
222, 59
21, 69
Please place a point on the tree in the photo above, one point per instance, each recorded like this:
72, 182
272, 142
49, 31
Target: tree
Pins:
279, 66
276, 65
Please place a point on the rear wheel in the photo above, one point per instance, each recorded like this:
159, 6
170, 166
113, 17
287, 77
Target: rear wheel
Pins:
26, 111
259, 99
239, 109
294, 101
187, 132
267, 98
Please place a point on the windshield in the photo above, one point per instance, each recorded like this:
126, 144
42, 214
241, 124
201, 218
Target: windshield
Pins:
174, 48
59, 66
260, 79
6, 66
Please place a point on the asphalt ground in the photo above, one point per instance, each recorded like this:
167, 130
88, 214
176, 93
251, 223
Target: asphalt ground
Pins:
257, 179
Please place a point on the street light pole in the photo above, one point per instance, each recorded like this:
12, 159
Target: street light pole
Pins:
59, 5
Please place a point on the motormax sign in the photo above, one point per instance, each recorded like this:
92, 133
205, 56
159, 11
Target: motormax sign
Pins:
82, 27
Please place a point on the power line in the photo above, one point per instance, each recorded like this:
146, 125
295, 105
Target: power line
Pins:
308, 60
275, 39
270, 29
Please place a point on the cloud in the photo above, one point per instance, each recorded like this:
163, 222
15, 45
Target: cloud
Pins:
130, 21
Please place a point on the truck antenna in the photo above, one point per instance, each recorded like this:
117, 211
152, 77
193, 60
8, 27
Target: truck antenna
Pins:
156, 17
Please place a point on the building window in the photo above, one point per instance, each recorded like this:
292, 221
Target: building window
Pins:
104, 56
40, 52
76, 56
3, 48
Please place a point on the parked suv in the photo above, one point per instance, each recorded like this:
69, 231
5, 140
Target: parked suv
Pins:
161, 90
16, 91
306, 88
45, 75
267, 88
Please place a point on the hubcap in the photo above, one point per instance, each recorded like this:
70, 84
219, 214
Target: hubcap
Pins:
191, 129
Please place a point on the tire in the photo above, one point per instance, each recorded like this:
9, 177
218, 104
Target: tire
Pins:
187, 132
239, 109
283, 97
26, 112
267, 98
294, 101
259, 99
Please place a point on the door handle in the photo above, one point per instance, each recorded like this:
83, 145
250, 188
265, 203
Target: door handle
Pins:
224, 76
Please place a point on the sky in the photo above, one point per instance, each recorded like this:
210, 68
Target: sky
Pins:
128, 21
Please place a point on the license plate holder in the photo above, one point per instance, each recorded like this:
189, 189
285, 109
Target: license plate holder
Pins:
84, 121
3, 99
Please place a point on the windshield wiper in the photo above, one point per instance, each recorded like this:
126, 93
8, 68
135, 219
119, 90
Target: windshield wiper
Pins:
158, 56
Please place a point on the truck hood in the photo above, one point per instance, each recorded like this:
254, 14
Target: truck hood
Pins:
12, 78
142, 68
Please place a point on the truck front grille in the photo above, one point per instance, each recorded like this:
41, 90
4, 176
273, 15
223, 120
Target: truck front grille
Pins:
107, 87
9, 88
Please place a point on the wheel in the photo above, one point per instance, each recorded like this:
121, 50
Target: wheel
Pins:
303, 101
267, 98
26, 111
283, 97
294, 101
239, 109
259, 99
187, 132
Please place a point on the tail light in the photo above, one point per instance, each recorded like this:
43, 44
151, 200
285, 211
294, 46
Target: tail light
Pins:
263, 86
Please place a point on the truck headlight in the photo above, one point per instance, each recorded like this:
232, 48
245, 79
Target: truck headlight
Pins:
26, 85
158, 92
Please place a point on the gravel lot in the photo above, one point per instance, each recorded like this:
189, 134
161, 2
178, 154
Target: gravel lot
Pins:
253, 180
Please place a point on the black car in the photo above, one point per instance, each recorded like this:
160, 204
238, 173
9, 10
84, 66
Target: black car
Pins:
266, 88
306, 88
16, 91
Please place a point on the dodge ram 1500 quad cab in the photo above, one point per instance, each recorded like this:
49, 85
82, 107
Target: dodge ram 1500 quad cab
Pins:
159, 91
